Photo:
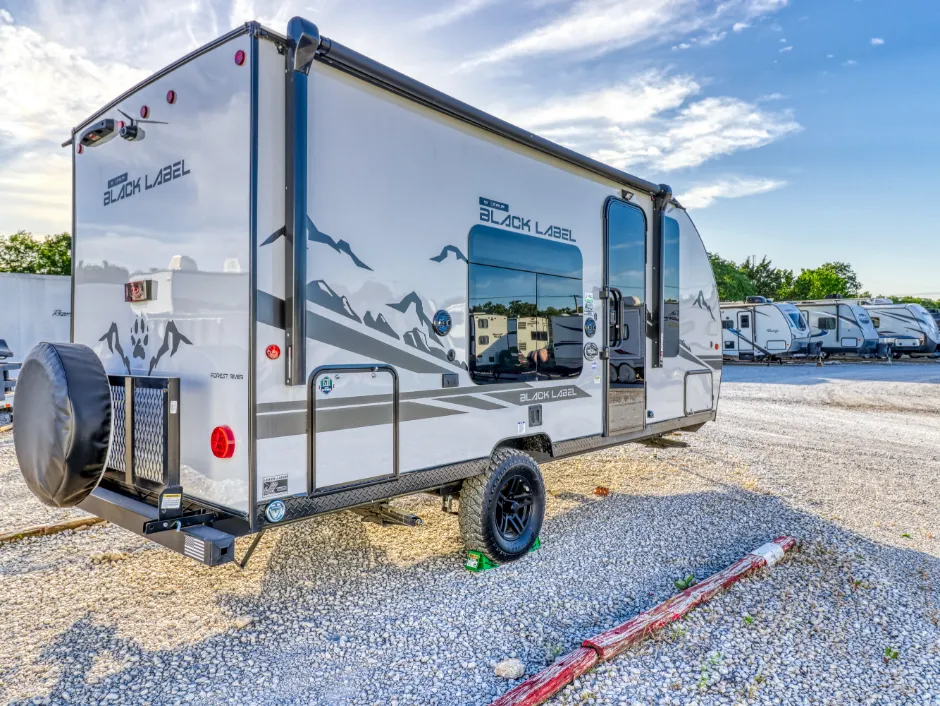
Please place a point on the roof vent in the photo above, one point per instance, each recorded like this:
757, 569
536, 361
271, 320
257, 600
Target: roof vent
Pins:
755, 300
833, 296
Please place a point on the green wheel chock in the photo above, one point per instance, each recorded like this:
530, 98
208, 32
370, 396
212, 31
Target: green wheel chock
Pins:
478, 561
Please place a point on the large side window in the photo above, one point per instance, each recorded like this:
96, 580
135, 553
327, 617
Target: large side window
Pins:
670, 288
527, 292
626, 250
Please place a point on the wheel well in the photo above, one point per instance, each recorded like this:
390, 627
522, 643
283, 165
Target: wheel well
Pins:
539, 446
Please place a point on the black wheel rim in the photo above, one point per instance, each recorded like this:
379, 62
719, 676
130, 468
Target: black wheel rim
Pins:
513, 506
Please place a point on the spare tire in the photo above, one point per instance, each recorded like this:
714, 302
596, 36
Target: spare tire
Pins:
63, 422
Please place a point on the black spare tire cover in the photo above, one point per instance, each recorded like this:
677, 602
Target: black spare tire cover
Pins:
63, 422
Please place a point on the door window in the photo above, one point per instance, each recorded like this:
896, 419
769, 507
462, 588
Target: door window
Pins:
671, 291
745, 321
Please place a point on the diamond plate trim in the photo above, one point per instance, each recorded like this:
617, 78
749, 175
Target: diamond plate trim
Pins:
149, 435
116, 461
299, 508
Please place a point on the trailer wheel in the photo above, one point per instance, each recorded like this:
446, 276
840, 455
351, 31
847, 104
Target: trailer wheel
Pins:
501, 510
896, 355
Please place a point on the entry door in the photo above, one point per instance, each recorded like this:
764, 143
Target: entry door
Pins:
625, 330
746, 329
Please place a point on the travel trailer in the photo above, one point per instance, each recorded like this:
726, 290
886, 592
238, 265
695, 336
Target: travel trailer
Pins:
911, 326
34, 308
373, 290
760, 329
843, 326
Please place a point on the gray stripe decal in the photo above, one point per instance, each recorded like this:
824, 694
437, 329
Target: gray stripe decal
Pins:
268, 407
271, 312
474, 402
271, 426
713, 362
541, 396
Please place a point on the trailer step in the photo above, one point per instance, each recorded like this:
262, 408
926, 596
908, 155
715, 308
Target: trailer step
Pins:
383, 514
478, 561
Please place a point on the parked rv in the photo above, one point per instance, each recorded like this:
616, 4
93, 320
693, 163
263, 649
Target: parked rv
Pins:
758, 329
374, 290
912, 327
34, 308
843, 326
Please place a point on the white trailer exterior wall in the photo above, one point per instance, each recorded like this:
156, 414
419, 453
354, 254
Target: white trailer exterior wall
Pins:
34, 308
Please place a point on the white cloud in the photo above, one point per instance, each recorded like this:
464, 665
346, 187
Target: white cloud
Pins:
877, 41
740, 26
451, 14
5, 16
705, 195
650, 122
786, 49
600, 26
830, 56
771, 97
850, 62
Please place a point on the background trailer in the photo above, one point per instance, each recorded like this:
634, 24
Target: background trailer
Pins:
372, 290
34, 308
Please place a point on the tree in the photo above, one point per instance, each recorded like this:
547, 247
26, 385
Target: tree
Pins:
21, 252
733, 285
852, 287
816, 284
768, 280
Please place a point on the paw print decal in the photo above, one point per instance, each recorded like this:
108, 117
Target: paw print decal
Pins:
140, 342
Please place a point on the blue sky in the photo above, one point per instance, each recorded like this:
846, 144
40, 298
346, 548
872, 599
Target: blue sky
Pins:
803, 130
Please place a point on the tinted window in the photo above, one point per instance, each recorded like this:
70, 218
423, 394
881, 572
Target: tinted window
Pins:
522, 290
876, 320
827, 323
797, 320
626, 253
727, 323
670, 288
745, 320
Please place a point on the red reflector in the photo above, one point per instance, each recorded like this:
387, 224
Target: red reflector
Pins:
273, 352
240, 57
171, 97
120, 124
144, 111
222, 442
81, 148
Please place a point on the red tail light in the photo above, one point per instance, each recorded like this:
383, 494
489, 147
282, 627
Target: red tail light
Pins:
273, 352
171, 97
240, 57
222, 442
144, 112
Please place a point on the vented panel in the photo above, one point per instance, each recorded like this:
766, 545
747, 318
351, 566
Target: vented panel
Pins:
154, 457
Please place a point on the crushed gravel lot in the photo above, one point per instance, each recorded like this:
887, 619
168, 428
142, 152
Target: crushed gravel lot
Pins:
335, 611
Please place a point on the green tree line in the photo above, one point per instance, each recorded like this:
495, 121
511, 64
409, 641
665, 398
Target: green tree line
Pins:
24, 253
752, 278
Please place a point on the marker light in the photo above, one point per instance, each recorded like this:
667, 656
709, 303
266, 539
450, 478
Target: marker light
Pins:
240, 57
144, 112
120, 124
222, 442
273, 352
171, 97
81, 148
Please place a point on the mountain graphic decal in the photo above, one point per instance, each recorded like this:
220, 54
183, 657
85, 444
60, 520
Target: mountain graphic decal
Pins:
446, 251
414, 299
319, 292
316, 236
702, 304
416, 338
379, 324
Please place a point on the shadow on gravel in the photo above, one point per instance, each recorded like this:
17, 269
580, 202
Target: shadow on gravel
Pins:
337, 623
924, 373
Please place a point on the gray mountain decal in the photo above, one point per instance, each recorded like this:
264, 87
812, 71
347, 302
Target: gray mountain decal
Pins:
406, 303
316, 236
702, 304
319, 292
450, 249
379, 324
416, 339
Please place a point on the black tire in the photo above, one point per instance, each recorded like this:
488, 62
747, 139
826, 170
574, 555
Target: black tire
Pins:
896, 355
488, 523
63, 422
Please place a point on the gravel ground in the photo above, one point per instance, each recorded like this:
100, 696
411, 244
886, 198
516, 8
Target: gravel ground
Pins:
336, 611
